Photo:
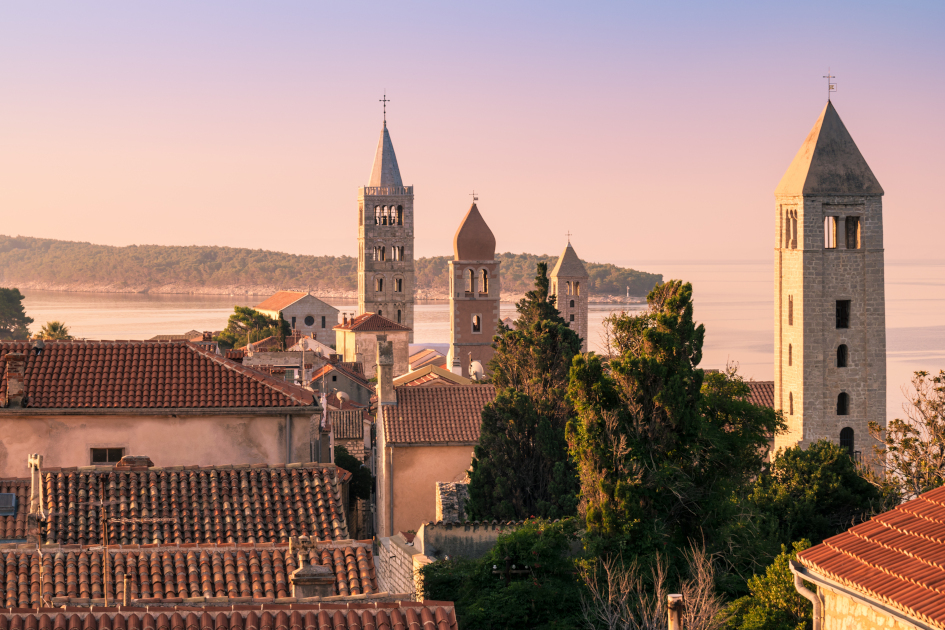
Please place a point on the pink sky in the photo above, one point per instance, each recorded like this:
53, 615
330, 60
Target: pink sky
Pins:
649, 132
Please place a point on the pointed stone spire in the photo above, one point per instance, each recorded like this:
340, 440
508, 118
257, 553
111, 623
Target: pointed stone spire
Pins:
385, 171
829, 163
569, 265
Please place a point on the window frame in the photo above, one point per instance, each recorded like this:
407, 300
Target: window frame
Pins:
108, 453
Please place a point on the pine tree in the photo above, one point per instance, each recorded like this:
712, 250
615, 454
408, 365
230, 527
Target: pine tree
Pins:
14, 324
521, 466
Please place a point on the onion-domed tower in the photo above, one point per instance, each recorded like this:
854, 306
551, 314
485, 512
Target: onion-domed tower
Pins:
474, 294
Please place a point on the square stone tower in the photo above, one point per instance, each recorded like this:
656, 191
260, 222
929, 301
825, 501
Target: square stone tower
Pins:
474, 294
569, 286
830, 307
385, 240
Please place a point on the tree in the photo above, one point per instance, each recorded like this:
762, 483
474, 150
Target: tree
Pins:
13, 320
814, 493
911, 457
362, 481
773, 602
247, 325
663, 454
54, 331
521, 466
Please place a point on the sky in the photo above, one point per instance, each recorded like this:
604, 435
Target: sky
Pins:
649, 131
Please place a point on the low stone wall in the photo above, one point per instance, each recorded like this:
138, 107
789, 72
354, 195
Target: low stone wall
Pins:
398, 565
451, 500
472, 539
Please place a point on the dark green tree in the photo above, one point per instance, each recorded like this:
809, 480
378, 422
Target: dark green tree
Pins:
814, 493
362, 481
13, 320
247, 325
521, 466
773, 602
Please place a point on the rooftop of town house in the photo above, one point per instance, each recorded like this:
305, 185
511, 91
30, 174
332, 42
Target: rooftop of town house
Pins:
436, 415
762, 393
370, 322
280, 300
431, 375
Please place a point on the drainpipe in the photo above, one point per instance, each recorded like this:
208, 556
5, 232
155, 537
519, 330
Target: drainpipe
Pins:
390, 500
807, 593
288, 439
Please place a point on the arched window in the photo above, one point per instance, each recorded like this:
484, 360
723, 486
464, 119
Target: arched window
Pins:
378, 284
380, 312
398, 285
400, 215
830, 232
790, 310
385, 217
572, 303
476, 324
377, 215
484, 282
577, 288
843, 404
846, 439
794, 229
790, 354
790, 398
470, 281
569, 287
572, 317
383, 253
787, 229
842, 355
398, 316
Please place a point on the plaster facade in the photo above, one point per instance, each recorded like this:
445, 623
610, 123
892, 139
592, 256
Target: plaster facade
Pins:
310, 316
181, 439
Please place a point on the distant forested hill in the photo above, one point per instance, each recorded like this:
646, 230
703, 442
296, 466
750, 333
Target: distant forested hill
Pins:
66, 265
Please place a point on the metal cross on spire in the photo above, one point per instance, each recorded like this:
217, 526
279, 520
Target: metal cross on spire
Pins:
474, 196
384, 100
569, 235
831, 87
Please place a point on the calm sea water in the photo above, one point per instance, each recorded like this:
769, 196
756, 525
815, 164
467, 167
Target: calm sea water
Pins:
733, 300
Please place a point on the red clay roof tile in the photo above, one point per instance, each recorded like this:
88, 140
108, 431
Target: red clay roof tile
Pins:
14, 527
430, 415
762, 393
280, 300
371, 322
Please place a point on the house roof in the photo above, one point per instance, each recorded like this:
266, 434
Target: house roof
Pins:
385, 171
436, 415
371, 322
171, 573
351, 615
896, 558
431, 375
13, 527
427, 356
241, 503
569, 265
187, 336
280, 300
762, 393
347, 424
351, 369
829, 163
473, 240
143, 375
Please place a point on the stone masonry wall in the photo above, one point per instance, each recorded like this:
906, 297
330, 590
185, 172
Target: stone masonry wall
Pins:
464, 305
842, 613
398, 563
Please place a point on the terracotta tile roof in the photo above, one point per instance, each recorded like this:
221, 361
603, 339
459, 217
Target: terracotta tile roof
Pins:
429, 376
351, 615
896, 558
280, 300
370, 322
187, 336
348, 424
432, 415
227, 504
169, 573
426, 357
347, 369
762, 393
13, 527
145, 375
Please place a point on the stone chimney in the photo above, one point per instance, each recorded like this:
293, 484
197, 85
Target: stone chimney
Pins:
310, 580
385, 371
457, 367
14, 391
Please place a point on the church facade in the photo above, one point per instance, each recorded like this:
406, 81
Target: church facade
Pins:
385, 240
830, 317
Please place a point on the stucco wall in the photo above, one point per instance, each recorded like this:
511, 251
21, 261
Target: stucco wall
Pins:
66, 440
416, 471
316, 308
843, 613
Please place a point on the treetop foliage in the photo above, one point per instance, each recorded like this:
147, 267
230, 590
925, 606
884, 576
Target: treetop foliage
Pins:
773, 602
247, 325
14, 324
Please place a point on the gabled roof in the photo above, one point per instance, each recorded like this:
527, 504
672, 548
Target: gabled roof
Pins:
474, 240
347, 424
896, 558
240, 503
143, 375
431, 375
370, 322
425, 357
342, 368
762, 393
385, 171
436, 415
569, 265
280, 300
829, 163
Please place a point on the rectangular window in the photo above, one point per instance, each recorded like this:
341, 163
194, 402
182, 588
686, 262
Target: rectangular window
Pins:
830, 232
107, 455
843, 313
572, 317
293, 323
323, 321
853, 232
476, 323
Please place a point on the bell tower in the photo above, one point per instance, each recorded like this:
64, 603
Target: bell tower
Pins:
385, 240
569, 285
830, 307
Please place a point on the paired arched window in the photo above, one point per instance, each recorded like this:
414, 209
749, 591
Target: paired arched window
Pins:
790, 398
843, 404
380, 253
790, 354
846, 440
484, 282
470, 281
842, 355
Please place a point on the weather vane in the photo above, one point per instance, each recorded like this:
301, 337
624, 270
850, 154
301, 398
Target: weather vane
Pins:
384, 100
831, 87
474, 196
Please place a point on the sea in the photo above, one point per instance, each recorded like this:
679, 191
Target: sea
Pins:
734, 300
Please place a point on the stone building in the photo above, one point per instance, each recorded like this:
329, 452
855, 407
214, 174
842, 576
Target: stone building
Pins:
356, 341
830, 313
385, 240
569, 285
304, 312
474, 294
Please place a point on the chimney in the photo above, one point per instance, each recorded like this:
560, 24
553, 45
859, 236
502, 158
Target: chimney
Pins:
309, 580
385, 371
14, 392
457, 367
